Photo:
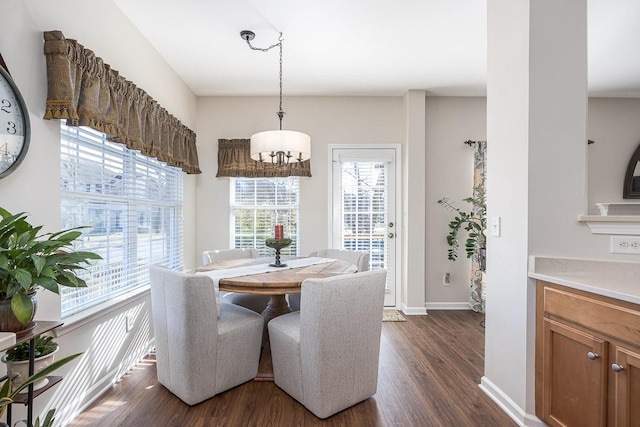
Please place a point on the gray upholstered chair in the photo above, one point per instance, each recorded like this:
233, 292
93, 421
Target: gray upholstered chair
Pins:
358, 258
326, 355
253, 302
199, 354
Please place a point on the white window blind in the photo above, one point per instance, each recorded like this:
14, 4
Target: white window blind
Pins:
257, 205
132, 205
364, 207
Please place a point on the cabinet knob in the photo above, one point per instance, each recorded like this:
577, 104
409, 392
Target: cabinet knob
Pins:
617, 368
593, 356
391, 235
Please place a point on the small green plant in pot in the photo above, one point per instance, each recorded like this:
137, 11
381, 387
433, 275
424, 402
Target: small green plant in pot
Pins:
30, 260
17, 359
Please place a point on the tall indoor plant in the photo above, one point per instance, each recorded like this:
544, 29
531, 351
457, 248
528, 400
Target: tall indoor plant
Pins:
30, 260
474, 222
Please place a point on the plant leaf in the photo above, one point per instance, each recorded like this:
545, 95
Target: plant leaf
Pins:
23, 277
22, 307
43, 373
47, 283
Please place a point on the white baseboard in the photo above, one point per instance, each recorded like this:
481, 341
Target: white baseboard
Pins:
447, 306
505, 403
414, 311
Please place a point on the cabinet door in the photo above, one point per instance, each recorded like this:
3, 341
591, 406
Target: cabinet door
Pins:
626, 377
574, 377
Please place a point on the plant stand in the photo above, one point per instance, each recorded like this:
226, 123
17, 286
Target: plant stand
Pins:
277, 246
27, 398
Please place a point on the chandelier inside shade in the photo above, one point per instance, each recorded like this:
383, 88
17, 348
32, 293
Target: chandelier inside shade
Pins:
280, 147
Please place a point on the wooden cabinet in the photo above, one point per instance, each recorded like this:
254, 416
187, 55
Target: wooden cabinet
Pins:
587, 359
626, 387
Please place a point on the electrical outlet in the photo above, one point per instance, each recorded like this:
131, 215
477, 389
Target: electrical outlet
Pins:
446, 279
625, 245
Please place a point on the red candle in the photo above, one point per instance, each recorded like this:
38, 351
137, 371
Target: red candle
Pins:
279, 232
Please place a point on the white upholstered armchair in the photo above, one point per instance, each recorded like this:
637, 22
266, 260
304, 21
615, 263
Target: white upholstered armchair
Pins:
358, 258
326, 355
253, 302
218, 255
199, 354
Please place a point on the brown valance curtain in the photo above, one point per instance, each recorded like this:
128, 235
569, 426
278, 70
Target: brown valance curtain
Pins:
87, 92
234, 159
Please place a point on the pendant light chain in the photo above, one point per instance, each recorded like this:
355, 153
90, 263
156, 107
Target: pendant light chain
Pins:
280, 112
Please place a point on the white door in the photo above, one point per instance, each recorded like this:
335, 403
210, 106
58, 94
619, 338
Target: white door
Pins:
364, 208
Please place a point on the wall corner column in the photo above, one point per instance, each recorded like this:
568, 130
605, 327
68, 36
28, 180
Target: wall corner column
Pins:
536, 132
414, 205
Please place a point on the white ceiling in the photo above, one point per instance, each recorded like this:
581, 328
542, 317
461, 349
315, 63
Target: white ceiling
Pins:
361, 47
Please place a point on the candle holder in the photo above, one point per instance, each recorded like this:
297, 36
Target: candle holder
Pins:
277, 244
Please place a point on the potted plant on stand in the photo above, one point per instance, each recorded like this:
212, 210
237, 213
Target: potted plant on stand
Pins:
8, 392
30, 260
17, 360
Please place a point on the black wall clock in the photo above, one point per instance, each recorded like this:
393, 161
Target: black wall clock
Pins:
15, 129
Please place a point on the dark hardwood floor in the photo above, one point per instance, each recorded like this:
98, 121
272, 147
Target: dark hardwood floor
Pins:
430, 368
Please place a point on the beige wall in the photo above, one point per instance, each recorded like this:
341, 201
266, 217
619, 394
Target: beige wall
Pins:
614, 126
449, 168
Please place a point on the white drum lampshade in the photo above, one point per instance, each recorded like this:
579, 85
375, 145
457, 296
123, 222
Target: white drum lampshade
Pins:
292, 142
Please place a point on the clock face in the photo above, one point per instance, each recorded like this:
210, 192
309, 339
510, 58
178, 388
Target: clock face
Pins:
14, 125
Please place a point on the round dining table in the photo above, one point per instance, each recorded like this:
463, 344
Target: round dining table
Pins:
276, 283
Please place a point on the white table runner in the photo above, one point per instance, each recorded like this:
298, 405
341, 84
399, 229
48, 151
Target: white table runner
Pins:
247, 270
227, 273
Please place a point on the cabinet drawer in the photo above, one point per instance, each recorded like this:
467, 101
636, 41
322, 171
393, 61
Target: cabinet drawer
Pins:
611, 319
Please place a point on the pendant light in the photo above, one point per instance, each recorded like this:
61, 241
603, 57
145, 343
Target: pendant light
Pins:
277, 148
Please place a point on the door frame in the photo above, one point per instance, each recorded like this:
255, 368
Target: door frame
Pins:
398, 203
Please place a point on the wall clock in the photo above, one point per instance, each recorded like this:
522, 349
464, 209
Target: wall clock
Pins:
15, 129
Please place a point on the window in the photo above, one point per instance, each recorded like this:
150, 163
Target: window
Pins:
132, 205
257, 205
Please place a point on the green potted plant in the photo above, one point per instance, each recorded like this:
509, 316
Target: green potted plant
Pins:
30, 260
474, 222
17, 360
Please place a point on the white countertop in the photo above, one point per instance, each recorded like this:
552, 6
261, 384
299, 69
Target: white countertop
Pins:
615, 279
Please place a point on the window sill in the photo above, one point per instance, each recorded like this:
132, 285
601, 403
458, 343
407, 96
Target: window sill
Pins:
75, 321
